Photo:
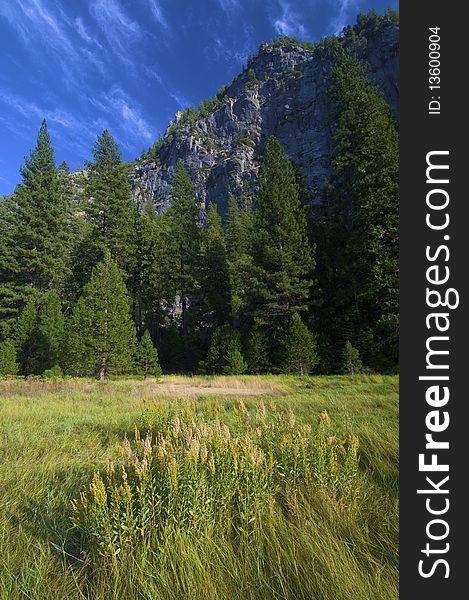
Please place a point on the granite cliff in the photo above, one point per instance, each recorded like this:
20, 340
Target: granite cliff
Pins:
283, 91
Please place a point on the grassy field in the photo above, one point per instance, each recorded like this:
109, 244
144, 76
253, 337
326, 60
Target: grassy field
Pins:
248, 488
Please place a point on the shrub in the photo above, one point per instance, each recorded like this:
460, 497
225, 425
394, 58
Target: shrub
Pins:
351, 363
54, 372
196, 474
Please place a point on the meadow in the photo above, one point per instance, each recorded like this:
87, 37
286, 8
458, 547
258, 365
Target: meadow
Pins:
248, 487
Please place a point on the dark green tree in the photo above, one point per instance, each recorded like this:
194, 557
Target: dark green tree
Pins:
239, 239
31, 254
49, 333
101, 334
299, 348
8, 363
156, 269
235, 363
110, 207
185, 233
360, 222
257, 351
147, 357
226, 342
216, 287
25, 339
282, 253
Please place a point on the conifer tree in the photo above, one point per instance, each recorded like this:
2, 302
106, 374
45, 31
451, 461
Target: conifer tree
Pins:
147, 357
49, 333
156, 286
282, 254
31, 255
216, 288
239, 239
226, 342
257, 351
351, 363
110, 208
299, 348
101, 335
185, 233
358, 244
25, 339
235, 363
8, 363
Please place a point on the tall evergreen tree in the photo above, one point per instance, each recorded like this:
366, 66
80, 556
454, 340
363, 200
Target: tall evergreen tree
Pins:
358, 228
216, 287
183, 218
110, 207
31, 255
25, 339
156, 270
101, 334
49, 333
239, 240
282, 254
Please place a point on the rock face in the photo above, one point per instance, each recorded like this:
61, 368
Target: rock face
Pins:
282, 92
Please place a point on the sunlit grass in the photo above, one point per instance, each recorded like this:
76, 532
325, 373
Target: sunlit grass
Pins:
55, 435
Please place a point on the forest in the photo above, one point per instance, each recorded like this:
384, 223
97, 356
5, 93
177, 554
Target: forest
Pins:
282, 283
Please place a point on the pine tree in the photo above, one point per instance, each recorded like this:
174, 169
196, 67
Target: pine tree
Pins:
25, 339
299, 348
282, 254
235, 363
8, 363
110, 208
147, 357
156, 269
101, 335
225, 342
31, 255
358, 245
49, 333
183, 218
351, 363
216, 287
239, 239
257, 351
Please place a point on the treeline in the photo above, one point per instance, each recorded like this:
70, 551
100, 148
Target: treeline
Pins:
91, 287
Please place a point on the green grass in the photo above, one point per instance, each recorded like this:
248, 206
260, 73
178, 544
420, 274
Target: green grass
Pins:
307, 540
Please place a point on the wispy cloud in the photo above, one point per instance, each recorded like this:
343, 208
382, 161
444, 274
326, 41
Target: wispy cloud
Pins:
180, 100
343, 14
229, 6
288, 22
113, 21
124, 113
54, 32
157, 13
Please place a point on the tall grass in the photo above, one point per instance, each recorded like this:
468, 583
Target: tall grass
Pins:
269, 498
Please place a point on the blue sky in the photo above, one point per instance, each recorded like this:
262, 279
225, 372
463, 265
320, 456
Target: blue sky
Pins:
129, 65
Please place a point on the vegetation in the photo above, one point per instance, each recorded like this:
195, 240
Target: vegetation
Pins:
297, 518
84, 275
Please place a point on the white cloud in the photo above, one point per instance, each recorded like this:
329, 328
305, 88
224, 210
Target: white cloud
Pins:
343, 16
288, 22
180, 100
157, 13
